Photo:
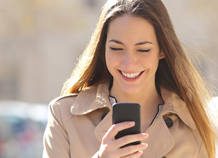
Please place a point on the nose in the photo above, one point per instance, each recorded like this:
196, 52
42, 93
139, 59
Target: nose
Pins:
129, 60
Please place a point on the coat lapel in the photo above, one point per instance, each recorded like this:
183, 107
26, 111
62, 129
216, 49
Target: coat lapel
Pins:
160, 140
90, 100
103, 126
174, 104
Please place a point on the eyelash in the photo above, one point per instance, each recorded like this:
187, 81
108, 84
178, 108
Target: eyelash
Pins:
140, 50
144, 50
116, 49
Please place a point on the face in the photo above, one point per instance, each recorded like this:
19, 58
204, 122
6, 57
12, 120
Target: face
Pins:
132, 54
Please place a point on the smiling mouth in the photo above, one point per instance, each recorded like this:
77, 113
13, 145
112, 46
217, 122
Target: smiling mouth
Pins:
131, 75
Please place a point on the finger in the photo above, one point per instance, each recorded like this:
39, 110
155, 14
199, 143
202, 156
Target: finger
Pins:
134, 155
112, 145
115, 128
131, 150
130, 139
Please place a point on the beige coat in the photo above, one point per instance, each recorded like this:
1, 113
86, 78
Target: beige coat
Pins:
75, 128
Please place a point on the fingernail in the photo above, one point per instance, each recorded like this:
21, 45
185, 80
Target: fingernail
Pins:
145, 135
145, 145
131, 123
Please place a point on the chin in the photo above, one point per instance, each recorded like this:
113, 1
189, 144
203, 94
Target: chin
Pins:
131, 89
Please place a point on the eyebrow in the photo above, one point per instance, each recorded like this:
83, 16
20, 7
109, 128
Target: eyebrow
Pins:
144, 42
116, 41
140, 43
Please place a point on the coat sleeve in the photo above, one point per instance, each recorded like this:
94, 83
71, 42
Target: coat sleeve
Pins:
55, 140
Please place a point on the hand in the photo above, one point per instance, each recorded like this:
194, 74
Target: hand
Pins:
110, 147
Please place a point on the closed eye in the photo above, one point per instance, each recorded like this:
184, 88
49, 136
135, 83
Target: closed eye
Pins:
116, 49
143, 50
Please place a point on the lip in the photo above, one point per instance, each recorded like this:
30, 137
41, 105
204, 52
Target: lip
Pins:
130, 79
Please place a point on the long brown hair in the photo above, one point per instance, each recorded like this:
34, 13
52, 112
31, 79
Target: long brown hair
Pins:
175, 72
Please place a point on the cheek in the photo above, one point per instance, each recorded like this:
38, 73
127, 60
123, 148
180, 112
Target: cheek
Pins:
109, 60
154, 63
150, 61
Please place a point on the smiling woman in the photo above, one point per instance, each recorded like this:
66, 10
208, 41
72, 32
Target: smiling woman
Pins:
134, 56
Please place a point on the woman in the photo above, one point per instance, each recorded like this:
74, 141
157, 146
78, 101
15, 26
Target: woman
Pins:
133, 56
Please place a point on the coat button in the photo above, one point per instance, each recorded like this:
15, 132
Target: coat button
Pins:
168, 121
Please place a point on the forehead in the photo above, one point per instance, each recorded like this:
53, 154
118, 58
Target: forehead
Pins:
132, 28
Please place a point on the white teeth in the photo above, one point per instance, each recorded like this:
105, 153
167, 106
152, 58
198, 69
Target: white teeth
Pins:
130, 75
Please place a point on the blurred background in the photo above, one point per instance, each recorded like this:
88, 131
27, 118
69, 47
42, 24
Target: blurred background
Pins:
40, 42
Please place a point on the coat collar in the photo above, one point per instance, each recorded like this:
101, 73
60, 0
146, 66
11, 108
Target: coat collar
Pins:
174, 104
91, 99
97, 97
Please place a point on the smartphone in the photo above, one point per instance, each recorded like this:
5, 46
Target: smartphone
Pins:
127, 112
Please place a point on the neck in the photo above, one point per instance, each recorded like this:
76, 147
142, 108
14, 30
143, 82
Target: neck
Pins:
146, 99
149, 101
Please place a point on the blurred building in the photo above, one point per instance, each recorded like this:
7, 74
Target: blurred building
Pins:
40, 41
